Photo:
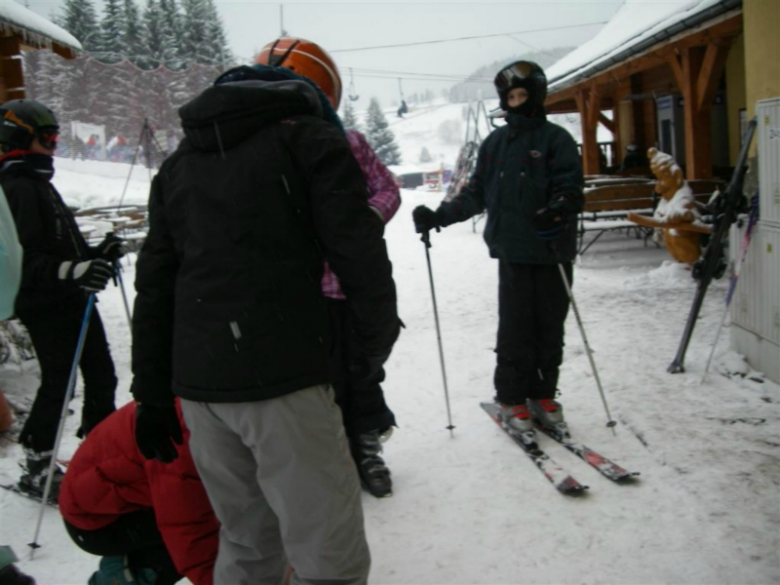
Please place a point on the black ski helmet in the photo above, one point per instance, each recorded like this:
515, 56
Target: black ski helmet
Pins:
23, 120
525, 74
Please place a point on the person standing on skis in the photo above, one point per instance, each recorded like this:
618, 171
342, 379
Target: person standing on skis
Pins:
529, 179
229, 315
59, 271
367, 418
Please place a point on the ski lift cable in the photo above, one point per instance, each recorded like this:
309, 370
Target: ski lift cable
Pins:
417, 74
429, 79
417, 77
468, 38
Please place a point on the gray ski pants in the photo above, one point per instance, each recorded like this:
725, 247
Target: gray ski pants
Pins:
283, 484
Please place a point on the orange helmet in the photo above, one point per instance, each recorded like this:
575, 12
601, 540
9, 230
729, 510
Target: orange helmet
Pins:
307, 59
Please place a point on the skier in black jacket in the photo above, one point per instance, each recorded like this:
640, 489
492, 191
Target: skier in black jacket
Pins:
229, 315
529, 179
58, 272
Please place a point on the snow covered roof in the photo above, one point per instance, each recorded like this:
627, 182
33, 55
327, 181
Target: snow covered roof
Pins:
34, 28
636, 26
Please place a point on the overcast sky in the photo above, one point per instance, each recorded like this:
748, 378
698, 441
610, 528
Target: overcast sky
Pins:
341, 27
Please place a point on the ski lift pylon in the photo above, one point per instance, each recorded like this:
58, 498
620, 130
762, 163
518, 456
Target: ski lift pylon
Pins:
353, 97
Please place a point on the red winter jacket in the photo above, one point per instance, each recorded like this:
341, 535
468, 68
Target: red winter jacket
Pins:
108, 477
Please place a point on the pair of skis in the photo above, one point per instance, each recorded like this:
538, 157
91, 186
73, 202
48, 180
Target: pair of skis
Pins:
556, 474
13, 487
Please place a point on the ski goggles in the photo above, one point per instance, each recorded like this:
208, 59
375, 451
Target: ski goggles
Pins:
48, 138
508, 77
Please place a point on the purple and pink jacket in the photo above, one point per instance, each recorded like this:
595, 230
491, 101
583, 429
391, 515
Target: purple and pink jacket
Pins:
385, 198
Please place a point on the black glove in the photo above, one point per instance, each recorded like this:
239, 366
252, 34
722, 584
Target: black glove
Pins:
550, 223
91, 275
425, 219
111, 249
366, 368
155, 428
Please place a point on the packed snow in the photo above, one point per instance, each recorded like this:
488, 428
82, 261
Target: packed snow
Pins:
471, 508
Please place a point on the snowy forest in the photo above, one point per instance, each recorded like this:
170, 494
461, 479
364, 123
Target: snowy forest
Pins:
138, 64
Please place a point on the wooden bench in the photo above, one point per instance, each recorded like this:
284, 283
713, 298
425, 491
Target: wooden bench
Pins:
607, 206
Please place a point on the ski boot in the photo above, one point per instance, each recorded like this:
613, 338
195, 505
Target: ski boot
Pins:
517, 417
116, 571
548, 414
374, 474
33, 481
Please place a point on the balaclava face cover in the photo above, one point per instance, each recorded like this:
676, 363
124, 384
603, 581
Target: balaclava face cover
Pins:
527, 108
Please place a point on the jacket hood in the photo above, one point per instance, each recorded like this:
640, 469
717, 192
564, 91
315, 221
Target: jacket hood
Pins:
225, 115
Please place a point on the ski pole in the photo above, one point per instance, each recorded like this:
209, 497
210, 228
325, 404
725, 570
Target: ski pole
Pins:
68, 393
752, 219
118, 273
610, 423
426, 239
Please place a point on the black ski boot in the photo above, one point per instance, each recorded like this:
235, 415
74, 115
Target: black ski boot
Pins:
374, 474
33, 481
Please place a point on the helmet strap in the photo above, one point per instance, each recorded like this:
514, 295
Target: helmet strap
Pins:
279, 61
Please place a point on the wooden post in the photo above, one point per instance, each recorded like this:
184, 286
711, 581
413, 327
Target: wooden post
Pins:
698, 71
11, 74
588, 106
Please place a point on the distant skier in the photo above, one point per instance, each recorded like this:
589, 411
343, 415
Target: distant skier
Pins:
529, 179
59, 270
367, 418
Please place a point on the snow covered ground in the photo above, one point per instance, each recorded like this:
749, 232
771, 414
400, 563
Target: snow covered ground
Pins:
472, 509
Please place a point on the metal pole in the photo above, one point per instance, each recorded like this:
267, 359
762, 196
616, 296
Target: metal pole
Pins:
130, 172
68, 394
426, 239
610, 423
118, 272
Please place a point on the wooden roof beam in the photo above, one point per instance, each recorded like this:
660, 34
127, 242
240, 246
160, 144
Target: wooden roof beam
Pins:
607, 123
710, 74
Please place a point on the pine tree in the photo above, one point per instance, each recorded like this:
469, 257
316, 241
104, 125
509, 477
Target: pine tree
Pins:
153, 32
216, 37
112, 32
425, 156
134, 41
80, 20
172, 36
195, 44
379, 135
349, 118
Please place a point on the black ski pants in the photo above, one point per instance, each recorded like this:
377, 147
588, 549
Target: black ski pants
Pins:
54, 334
360, 396
532, 308
134, 535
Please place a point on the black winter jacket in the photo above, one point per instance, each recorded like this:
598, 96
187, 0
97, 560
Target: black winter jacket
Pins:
259, 193
48, 233
522, 167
